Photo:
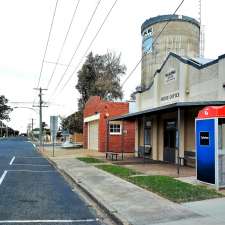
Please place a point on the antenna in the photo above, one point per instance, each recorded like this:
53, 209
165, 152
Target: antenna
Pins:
202, 31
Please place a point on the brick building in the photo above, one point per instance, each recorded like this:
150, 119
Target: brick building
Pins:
175, 84
120, 135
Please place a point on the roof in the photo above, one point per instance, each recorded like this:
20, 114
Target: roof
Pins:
165, 18
202, 61
198, 63
212, 112
191, 61
167, 108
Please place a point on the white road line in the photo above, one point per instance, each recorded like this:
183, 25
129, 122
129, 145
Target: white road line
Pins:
35, 148
30, 157
49, 221
27, 164
33, 171
3, 176
11, 162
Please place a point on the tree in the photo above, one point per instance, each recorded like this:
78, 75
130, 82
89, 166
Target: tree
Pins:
100, 75
4, 108
74, 122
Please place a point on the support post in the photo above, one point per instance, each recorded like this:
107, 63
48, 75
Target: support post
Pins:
107, 136
143, 119
122, 139
178, 141
53, 146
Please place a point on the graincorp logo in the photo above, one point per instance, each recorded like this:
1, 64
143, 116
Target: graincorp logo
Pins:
170, 76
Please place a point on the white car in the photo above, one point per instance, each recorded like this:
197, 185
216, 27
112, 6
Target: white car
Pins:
70, 144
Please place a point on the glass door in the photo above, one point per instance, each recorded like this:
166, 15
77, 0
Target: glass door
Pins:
169, 141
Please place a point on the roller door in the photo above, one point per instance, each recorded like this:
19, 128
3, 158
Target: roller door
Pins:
93, 135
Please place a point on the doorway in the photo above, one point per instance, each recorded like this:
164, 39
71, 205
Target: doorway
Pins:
170, 131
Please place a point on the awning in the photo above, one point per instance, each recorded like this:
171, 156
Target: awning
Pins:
166, 108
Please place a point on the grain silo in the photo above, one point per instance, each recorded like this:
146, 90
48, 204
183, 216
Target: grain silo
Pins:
181, 36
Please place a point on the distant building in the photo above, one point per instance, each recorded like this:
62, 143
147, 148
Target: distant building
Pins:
118, 137
175, 86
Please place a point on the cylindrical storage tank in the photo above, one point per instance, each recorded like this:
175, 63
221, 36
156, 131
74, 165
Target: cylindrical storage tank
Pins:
181, 36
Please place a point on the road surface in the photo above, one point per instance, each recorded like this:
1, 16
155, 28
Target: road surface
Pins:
33, 192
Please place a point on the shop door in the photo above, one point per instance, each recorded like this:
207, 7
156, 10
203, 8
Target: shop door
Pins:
169, 141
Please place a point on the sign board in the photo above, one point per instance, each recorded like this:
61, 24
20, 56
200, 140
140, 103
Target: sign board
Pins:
170, 97
53, 125
147, 40
170, 76
205, 149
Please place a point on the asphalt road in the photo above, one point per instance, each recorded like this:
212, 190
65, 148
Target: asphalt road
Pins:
33, 192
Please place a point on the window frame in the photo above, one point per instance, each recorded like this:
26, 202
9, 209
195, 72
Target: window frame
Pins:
115, 123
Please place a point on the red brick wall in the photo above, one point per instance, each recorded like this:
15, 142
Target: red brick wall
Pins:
105, 108
85, 135
125, 142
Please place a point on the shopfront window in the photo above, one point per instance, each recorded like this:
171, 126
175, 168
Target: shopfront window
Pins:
147, 132
221, 134
147, 136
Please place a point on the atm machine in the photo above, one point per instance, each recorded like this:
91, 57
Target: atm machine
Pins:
210, 145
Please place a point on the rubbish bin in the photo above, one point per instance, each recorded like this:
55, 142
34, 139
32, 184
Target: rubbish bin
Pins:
210, 145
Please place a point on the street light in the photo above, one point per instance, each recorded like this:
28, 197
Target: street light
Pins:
23, 107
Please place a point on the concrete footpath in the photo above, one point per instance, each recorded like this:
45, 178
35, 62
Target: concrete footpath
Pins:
129, 204
126, 202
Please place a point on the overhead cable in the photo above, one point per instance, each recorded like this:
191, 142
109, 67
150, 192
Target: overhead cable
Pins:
46, 47
63, 44
78, 45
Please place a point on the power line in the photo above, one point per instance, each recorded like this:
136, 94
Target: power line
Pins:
132, 71
59, 64
46, 47
11, 102
78, 45
106, 17
63, 44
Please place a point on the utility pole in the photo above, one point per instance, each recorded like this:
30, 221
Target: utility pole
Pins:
40, 114
7, 132
32, 127
1, 129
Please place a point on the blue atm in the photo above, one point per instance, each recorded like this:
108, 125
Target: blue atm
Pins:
210, 145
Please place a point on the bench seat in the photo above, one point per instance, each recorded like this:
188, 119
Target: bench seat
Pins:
112, 155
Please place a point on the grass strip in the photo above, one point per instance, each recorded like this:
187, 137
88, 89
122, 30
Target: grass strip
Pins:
173, 189
90, 160
119, 171
167, 187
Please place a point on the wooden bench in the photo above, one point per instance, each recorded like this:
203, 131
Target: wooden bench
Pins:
144, 152
112, 155
189, 158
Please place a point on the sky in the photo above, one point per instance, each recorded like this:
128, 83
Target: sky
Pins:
25, 26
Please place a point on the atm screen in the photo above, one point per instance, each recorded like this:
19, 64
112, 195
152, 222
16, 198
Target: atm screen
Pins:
204, 138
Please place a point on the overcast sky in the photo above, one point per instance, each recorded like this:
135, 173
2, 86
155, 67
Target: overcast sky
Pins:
25, 25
